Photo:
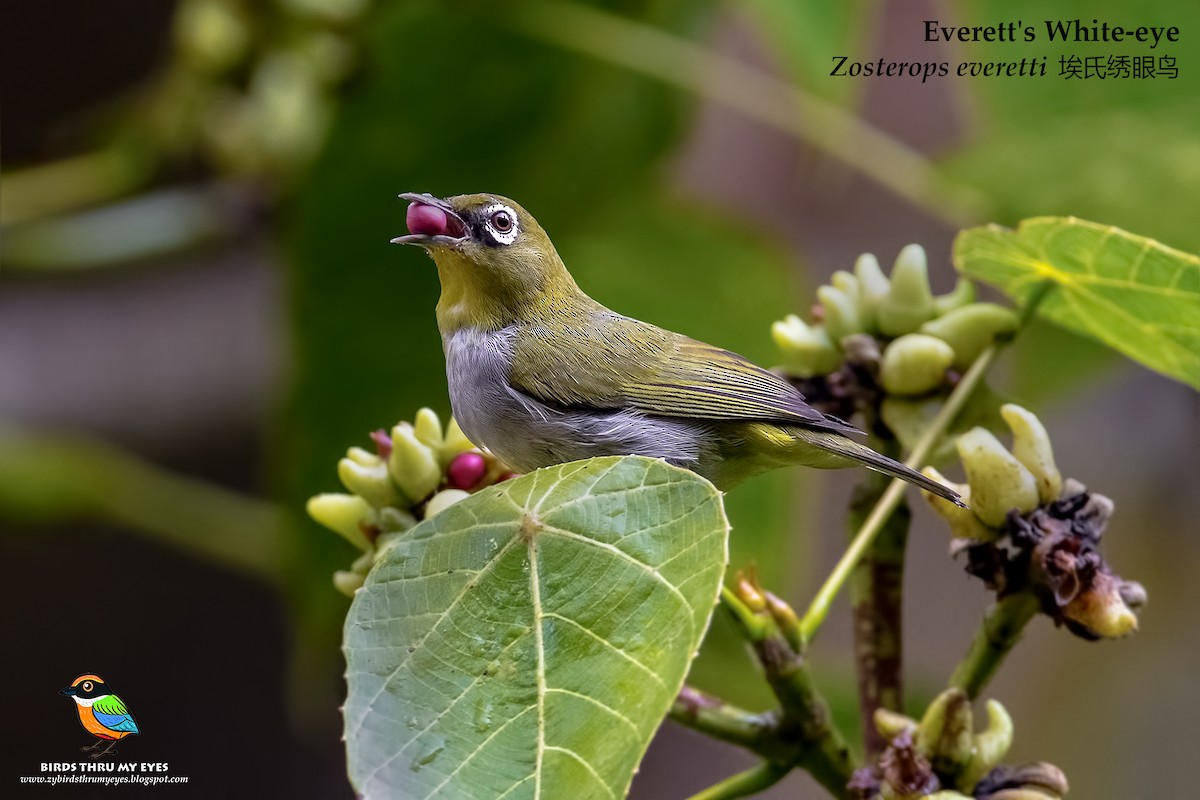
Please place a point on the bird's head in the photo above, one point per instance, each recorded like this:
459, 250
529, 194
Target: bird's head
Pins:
86, 688
495, 262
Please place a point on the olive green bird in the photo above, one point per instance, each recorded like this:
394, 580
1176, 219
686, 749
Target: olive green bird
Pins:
541, 374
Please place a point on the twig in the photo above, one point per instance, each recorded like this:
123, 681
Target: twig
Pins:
714, 717
744, 784
998, 633
805, 721
876, 595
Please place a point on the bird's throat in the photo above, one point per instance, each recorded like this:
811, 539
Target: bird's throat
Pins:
477, 297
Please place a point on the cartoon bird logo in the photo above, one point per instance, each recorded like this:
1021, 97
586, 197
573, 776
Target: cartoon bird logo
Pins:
101, 713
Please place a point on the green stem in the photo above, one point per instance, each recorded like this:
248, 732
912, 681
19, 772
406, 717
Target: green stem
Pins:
806, 722
744, 784
819, 123
714, 717
876, 597
818, 610
998, 633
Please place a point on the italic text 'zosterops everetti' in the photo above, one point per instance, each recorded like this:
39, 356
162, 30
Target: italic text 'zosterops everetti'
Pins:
542, 374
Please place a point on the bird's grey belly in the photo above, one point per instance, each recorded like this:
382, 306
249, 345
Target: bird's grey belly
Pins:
527, 434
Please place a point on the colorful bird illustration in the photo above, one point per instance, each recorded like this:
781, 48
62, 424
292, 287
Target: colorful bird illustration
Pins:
101, 713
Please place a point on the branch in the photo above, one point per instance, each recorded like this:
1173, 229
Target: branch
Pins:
876, 594
714, 717
998, 633
805, 721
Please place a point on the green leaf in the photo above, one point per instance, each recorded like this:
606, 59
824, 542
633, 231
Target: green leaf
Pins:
1139, 297
528, 641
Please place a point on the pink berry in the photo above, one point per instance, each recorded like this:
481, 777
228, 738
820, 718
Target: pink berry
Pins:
466, 470
425, 220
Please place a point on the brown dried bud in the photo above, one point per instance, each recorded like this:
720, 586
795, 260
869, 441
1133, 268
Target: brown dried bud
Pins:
1037, 781
905, 770
1053, 552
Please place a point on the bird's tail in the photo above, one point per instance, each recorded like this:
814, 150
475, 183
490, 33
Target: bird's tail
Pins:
839, 445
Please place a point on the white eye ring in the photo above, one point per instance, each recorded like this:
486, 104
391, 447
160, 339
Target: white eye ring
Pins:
501, 236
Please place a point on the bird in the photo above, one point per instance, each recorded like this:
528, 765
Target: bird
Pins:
540, 374
101, 713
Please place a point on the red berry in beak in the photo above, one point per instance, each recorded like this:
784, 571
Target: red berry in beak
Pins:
426, 220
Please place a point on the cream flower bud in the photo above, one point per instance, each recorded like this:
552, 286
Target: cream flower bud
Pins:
428, 428
962, 294
915, 364
962, 521
807, 350
970, 329
1102, 610
990, 746
944, 735
413, 465
909, 301
841, 312
342, 514
364, 457
348, 582
454, 442
367, 475
999, 482
873, 286
443, 500
891, 724
846, 283
1031, 446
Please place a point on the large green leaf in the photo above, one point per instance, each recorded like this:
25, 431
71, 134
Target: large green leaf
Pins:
1137, 296
527, 641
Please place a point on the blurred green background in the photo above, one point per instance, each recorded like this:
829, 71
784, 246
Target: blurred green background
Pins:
200, 310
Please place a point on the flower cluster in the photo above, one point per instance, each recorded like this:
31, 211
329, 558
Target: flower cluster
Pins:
916, 340
941, 757
1027, 529
416, 471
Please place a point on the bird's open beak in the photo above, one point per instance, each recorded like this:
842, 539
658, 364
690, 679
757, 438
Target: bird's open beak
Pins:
69, 690
431, 222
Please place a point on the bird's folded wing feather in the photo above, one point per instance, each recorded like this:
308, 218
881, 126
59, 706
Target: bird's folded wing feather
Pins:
112, 714
610, 361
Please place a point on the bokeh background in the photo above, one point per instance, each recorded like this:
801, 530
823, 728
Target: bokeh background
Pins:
200, 310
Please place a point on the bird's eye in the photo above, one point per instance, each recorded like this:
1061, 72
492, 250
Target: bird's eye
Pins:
87, 686
502, 222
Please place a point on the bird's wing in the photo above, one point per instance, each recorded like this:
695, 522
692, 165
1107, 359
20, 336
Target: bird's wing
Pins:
112, 714
608, 361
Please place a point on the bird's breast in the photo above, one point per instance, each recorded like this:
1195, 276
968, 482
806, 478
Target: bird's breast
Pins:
527, 433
